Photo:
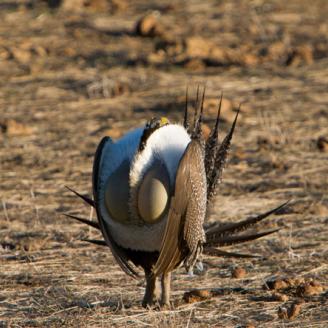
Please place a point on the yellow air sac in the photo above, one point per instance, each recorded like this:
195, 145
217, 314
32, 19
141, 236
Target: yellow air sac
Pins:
153, 194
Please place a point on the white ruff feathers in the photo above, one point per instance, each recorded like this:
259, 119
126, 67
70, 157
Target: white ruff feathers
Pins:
168, 144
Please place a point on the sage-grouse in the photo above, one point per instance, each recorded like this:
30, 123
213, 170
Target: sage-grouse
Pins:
151, 192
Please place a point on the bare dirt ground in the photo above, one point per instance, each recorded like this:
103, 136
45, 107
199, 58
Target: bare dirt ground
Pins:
80, 70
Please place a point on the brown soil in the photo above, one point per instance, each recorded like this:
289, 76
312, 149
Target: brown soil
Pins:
74, 71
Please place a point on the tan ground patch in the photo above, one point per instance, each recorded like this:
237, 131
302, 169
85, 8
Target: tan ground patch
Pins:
71, 75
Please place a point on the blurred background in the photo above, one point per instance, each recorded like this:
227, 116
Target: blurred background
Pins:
73, 71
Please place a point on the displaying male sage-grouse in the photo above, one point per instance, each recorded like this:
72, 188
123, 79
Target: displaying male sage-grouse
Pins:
151, 191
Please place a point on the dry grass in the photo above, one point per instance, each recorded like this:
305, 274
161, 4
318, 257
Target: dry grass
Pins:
68, 78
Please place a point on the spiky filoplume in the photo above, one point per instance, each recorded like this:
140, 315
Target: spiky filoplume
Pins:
199, 111
186, 236
185, 118
220, 160
212, 146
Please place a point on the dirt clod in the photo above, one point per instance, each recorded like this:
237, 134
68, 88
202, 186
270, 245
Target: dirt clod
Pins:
197, 295
291, 312
309, 289
277, 284
149, 26
322, 144
238, 273
283, 283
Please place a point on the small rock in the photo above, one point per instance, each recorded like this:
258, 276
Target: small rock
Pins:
290, 313
23, 56
149, 26
217, 56
294, 310
156, 58
299, 55
40, 51
309, 289
276, 284
322, 144
195, 64
197, 295
282, 313
282, 283
238, 273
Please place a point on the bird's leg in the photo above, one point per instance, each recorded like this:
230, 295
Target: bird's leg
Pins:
152, 292
166, 289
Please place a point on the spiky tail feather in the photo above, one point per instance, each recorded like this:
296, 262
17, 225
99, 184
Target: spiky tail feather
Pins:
87, 199
199, 110
211, 251
231, 240
95, 242
212, 145
92, 224
185, 118
195, 129
217, 231
214, 176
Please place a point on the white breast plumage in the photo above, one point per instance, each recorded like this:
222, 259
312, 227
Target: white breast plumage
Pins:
167, 144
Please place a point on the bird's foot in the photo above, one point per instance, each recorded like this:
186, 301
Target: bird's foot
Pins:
166, 306
150, 302
151, 298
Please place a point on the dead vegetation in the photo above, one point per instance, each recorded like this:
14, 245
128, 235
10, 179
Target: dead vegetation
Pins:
74, 71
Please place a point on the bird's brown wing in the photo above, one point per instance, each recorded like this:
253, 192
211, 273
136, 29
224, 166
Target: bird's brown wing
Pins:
184, 228
117, 251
